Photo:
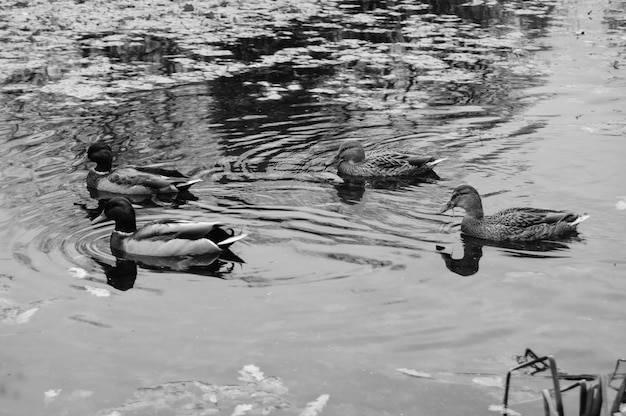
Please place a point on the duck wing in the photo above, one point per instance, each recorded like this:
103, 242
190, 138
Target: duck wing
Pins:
386, 160
132, 176
415, 160
528, 217
389, 160
166, 230
173, 229
154, 170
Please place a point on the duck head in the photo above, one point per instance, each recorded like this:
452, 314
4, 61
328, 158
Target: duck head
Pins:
465, 197
121, 211
102, 154
351, 151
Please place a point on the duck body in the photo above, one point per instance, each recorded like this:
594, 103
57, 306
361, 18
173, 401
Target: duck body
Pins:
352, 161
132, 180
169, 238
512, 224
163, 238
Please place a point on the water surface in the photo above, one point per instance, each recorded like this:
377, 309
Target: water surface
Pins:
342, 283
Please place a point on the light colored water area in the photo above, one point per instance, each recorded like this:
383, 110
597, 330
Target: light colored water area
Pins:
342, 284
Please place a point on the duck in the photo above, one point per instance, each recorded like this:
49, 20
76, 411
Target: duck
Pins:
162, 238
512, 224
132, 180
352, 161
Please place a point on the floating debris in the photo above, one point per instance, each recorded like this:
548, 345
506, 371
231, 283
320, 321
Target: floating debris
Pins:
77, 272
256, 394
51, 395
414, 373
17, 315
98, 292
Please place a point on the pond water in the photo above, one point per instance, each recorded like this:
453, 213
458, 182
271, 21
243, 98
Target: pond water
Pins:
342, 284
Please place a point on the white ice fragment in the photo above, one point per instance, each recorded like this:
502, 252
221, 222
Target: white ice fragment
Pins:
500, 409
316, 406
251, 373
242, 409
25, 316
51, 394
97, 291
414, 373
77, 272
488, 381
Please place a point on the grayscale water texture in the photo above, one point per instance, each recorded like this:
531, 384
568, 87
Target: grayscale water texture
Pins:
342, 283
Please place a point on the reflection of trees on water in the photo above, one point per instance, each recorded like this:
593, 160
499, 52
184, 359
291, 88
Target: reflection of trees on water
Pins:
482, 13
150, 49
468, 264
615, 19
360, 60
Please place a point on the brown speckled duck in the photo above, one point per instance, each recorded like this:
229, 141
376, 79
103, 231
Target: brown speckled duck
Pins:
352, 161
512, 224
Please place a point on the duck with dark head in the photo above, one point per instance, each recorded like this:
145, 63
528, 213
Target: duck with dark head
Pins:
132, 180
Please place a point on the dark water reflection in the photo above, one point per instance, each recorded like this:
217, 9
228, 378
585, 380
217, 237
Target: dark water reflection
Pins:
341, 278
468, 264
123, 274
351, 189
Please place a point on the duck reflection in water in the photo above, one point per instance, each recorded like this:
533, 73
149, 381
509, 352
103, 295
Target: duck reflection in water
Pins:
122, 276
147, 200
473, 251
352, 188
143, 201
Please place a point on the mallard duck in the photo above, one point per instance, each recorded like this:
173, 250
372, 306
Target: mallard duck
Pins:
512, 224
352, 161
131, 180
163, 238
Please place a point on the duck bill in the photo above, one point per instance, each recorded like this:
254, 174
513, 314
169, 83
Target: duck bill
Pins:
332, 162
100, 218
448, 207
80, 161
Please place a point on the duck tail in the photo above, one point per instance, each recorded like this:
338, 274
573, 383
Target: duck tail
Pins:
183, 186
580, 219
435, 162
228, 255
230, 240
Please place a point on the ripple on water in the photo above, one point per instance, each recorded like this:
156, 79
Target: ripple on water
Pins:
315, 236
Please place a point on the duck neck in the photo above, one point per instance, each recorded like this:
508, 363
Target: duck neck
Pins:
357, 155
475, 210
104, 166
126, 225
